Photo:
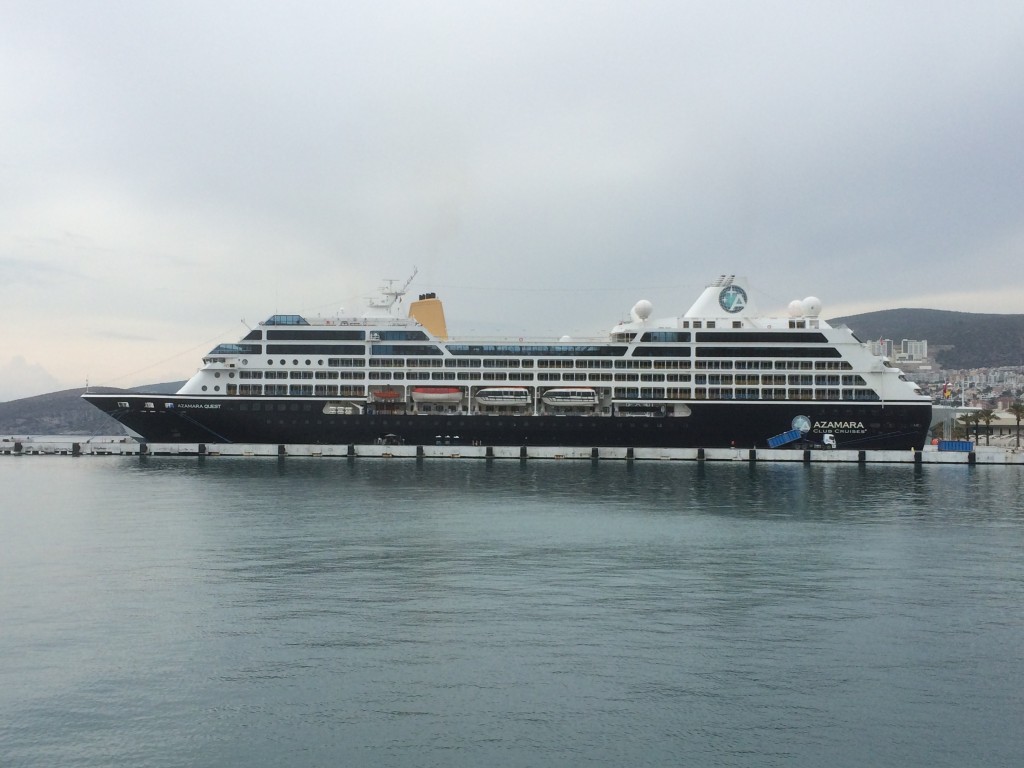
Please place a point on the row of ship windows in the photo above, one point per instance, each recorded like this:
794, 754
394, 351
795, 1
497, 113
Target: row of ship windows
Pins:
551, 350
327, 334
718, 379
331, 334
321, 334
620, 393
511, 363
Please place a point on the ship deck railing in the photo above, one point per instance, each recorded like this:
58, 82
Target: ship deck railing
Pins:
550, 340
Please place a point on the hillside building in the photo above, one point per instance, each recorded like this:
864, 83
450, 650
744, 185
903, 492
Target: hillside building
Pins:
908, 351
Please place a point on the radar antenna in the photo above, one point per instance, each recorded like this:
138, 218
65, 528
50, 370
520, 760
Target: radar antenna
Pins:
390, 296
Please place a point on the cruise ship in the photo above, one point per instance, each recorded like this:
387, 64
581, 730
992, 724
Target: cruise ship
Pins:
720, 375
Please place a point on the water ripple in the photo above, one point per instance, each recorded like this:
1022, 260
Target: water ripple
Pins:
250, 612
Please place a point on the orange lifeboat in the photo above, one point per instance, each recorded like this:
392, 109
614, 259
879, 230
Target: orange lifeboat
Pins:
436, 395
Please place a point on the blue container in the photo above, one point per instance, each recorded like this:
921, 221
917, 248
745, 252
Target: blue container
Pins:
785, 437
956, 445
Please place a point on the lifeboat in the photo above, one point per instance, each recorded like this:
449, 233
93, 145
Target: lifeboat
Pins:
503, 396
571, 396
436, 395
386, 395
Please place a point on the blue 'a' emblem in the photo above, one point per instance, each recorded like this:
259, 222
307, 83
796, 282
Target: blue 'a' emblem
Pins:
733, 299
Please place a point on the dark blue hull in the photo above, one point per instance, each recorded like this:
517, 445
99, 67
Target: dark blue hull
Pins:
711, 424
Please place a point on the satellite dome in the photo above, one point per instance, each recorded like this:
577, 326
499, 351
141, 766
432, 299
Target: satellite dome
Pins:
812, 306
642, 309
796, 308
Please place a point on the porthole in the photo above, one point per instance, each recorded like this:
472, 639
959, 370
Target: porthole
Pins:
270, 362
217, 388
295, 362
216, 375
319, 362
231, 375
204, 387
308, 362
245, 362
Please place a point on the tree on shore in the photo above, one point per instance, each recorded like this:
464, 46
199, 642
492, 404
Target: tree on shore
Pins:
967, 420
987, 415
1017, 409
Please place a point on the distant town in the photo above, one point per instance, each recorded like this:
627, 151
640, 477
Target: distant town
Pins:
994, 392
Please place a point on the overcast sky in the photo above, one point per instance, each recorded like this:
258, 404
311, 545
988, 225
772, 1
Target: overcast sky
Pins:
170, 169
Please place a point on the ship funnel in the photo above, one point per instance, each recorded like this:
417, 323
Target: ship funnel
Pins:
429, 312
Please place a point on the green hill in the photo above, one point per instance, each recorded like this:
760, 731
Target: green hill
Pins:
955, 339
65, 413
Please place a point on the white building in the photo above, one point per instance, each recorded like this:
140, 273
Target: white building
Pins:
911, 349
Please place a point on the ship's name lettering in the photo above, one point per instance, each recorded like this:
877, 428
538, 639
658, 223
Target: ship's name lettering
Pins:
199, 405
839, 426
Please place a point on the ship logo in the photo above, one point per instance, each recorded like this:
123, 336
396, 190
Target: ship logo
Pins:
802, 423
733, 299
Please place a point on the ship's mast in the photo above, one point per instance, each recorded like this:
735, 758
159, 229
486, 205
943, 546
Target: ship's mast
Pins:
390, 296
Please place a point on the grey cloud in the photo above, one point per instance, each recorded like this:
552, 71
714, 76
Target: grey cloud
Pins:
233, 160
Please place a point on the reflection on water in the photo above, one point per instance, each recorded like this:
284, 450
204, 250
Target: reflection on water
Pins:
391, 612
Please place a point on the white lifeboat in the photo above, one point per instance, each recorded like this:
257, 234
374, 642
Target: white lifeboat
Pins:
503, 396
583, 397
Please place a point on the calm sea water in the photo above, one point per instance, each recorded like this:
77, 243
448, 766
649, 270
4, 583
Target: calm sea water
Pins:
321, 612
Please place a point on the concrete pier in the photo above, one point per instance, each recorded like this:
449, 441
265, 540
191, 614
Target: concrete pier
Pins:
116, 446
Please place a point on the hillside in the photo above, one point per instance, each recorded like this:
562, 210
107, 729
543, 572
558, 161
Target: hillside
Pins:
967, 339
64, 413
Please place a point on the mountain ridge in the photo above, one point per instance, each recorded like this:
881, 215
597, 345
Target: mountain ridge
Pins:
955, 339
65, 412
